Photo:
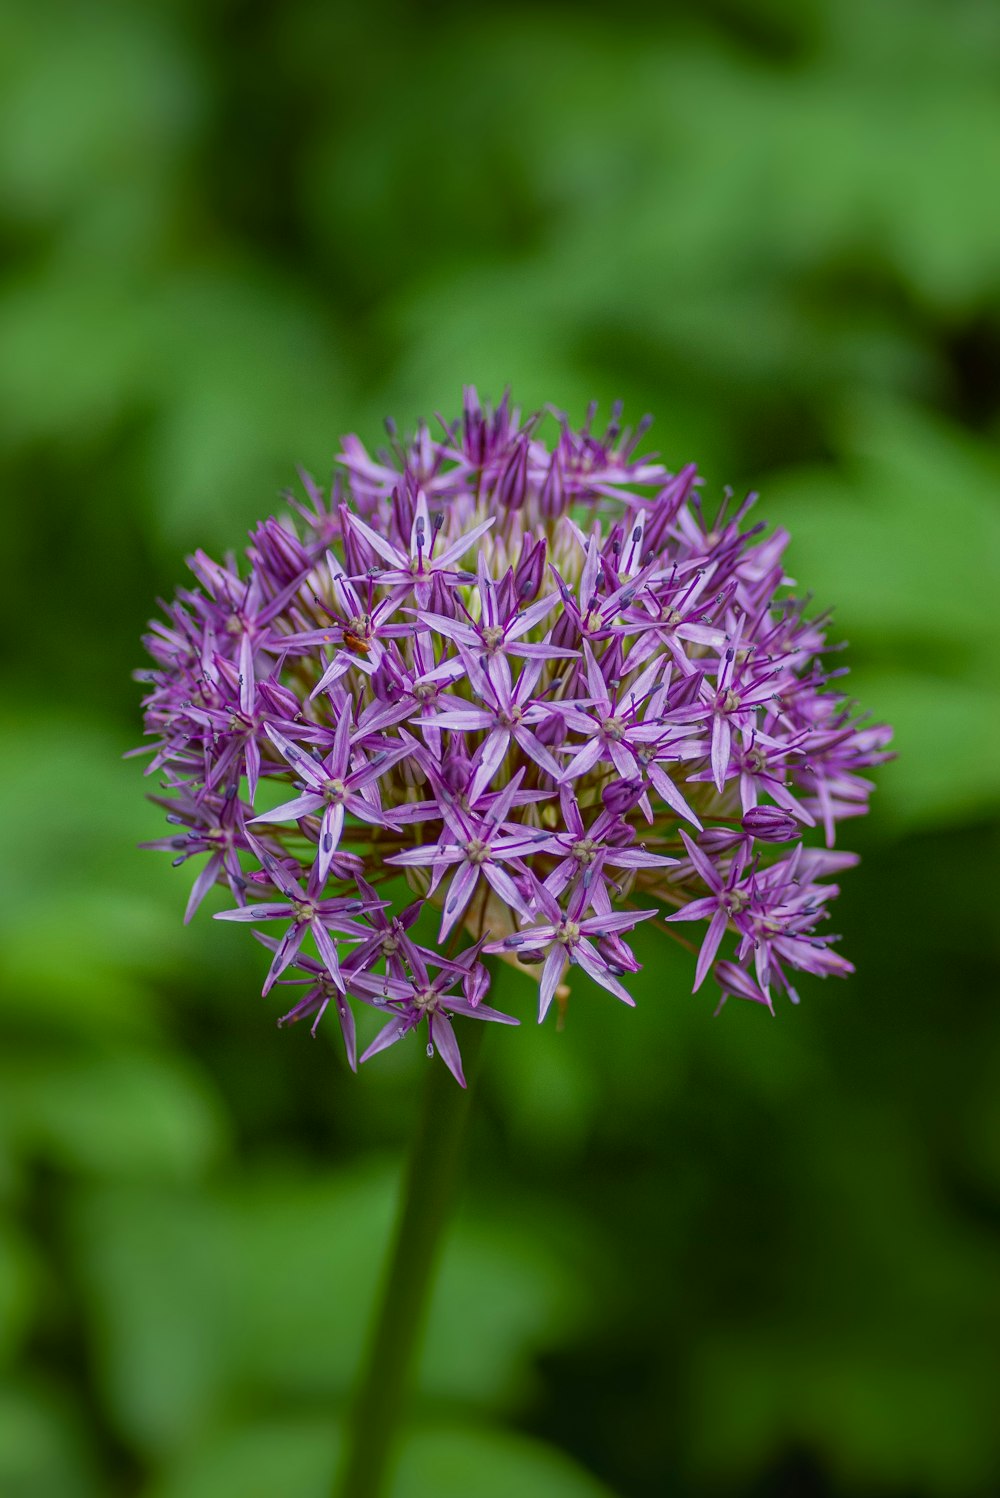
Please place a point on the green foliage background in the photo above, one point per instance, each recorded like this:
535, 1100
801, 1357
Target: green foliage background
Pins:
696, 1258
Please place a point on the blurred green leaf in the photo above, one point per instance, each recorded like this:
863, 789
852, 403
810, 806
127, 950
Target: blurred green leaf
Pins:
73, 980
72, 811
249, 381
269, 1290
20, 1285
940, 727
154, 1275
455, 1461
905, 537
293, 1457
480, 1341
912, 1418
134, 125
124, 1113
298, 1458
906, 540
72, 358
87, 918
43, 1453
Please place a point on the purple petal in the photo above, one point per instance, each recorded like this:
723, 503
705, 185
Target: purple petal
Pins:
460, 892
461, 546
713, 938
596, 684
585, 759
505, 888
493, 752
443, 1036
347, 1029
202, 885
463, 718
722, 738
247, 683
588, 577
330, 830
697, 910
265, 912
378, 544
388, 1035
536, 751
704, 865
669, 792
252, 755
622, 920
301, 762
328, 952
551, 973
290, 811
584, 954
285, 953
529, 617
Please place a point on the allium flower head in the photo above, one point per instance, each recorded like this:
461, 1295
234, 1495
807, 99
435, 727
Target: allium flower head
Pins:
542, 680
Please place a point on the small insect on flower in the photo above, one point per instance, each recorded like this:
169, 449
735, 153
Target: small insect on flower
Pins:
359, 643
543, 682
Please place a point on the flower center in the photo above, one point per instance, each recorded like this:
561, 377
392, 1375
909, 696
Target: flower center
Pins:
492, 636
568, 933
476, 850
427, 1000
334, 790
614, 728
584, 851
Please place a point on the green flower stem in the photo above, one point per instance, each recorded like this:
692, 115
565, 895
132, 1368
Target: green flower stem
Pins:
429, 1192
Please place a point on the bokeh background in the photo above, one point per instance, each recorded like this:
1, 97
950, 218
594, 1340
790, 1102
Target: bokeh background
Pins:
696, 1257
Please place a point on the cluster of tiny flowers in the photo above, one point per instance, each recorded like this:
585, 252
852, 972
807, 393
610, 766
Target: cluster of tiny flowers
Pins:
544, 682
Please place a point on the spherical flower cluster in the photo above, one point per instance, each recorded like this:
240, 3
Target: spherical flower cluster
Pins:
542, 680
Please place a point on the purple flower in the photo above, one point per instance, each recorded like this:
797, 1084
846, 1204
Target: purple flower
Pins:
613, 720
419, 999
216, 826
332, 787
414, 568
477, 846
507, 715
500, 622
607, 842
306, 911
563, 937
321, 991
724, 906
539, 682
